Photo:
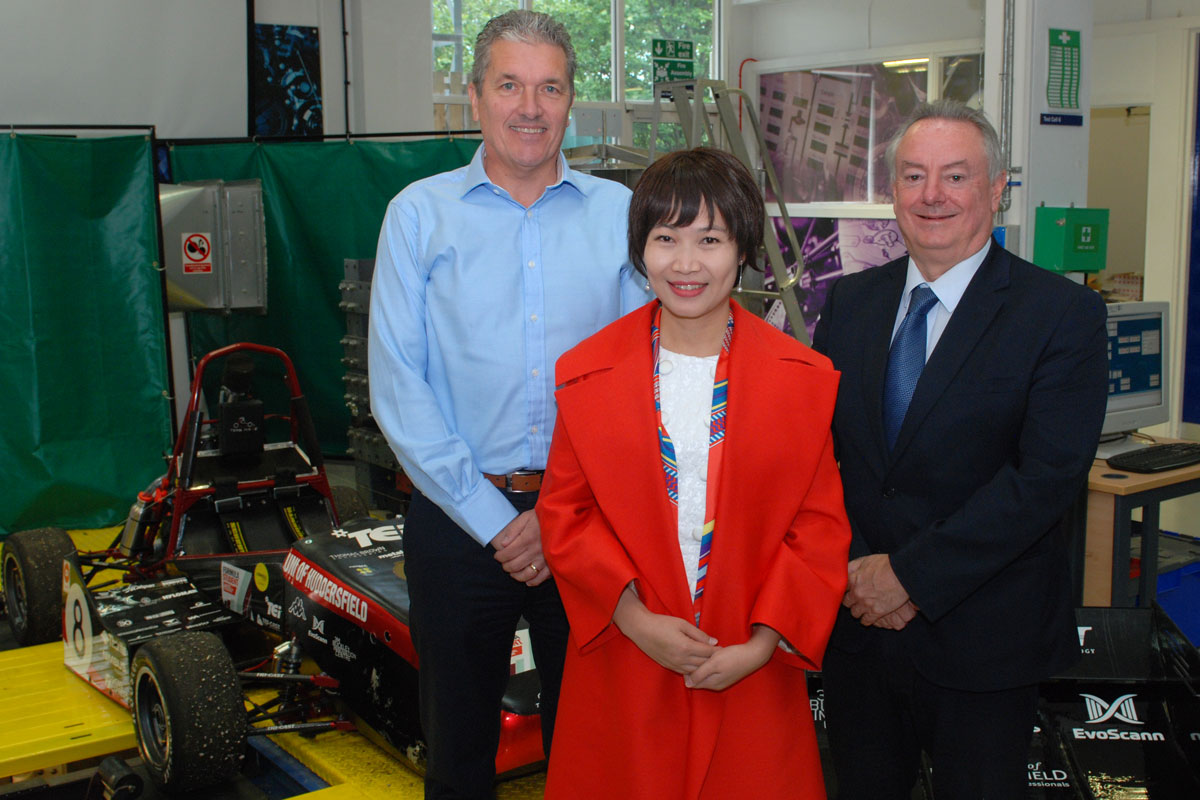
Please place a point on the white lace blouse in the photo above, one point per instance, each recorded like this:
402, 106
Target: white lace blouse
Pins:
685, 393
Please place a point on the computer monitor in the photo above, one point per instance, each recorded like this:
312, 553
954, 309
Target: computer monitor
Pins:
1138, 387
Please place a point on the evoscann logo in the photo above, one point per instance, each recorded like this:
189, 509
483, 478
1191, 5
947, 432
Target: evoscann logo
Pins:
1120, 710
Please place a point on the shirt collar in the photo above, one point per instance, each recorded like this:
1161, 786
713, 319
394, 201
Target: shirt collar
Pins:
477, 176
950, 285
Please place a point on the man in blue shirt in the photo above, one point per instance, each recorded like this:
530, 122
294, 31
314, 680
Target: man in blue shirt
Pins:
484, 276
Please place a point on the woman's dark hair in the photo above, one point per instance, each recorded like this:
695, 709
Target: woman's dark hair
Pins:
680, 186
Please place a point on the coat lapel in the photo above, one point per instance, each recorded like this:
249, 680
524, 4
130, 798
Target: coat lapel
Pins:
628, 482
975, 312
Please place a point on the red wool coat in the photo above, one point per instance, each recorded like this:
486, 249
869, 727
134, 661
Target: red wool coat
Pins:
627, 727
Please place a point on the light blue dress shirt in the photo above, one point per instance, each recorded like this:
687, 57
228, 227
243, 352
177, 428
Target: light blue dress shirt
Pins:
474, 298
948, 288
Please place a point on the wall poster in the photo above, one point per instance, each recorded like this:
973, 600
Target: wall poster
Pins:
831, 248
285, 82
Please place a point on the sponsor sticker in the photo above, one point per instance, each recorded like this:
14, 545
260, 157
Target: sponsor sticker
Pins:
343, 651
364, 537
235, 587
1041, 776
335, 595
370, 551
1122, 709
1083, 631
262, 577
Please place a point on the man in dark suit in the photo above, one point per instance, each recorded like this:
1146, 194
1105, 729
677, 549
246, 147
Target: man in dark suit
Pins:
972, 393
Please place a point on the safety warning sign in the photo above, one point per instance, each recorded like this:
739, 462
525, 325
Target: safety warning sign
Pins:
197, 249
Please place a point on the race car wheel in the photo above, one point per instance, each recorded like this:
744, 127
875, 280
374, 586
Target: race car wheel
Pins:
188, 711
349, 504
33, 583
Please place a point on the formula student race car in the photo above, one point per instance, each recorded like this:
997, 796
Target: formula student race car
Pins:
175, 619
230, 497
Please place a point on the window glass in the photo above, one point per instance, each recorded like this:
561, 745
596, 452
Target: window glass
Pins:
962, 79
673, 20
456, 23
589, 23
670, 136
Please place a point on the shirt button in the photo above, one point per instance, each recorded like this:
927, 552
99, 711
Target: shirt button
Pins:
704, 477
698, 533
531, 265
535, 372
533, 429
495, 191
533, 317
529, 213
665, 367
665, 417
889, 492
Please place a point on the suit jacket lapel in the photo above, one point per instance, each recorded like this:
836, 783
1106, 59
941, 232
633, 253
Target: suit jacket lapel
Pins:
974, 313
878, 320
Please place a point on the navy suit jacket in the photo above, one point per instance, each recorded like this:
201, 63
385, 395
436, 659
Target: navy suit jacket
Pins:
995, 447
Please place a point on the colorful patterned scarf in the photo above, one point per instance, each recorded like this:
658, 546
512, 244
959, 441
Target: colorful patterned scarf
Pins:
716, 440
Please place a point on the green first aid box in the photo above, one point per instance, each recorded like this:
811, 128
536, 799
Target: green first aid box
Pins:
1070, 239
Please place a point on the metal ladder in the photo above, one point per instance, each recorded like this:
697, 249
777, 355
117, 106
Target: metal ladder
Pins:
687, 97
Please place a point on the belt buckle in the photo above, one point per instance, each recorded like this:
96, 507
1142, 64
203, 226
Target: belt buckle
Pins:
510, 484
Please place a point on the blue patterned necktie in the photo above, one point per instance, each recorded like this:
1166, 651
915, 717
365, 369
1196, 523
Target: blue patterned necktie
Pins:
905, 361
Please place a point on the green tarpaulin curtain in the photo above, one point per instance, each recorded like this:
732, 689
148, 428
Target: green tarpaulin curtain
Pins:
324, 203
83, 365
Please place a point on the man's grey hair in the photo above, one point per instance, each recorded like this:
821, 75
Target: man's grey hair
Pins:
520, 25
956, 111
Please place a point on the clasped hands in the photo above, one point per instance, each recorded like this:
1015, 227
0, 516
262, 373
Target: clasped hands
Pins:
875, 595
518, 548
683, 648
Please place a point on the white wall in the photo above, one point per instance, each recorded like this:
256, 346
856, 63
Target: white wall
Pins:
804, 27
176, 64
393, 42
181, 64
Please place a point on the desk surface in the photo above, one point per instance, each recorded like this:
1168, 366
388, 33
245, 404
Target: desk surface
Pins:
1103, 478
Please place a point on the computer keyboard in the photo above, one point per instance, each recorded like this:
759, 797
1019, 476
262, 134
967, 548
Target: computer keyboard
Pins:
1157, 457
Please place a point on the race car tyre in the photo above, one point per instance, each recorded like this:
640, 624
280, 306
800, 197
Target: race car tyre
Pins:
33, 584
349, 504
188, 711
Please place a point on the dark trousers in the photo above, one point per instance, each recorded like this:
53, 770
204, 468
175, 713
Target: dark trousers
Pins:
881, 713
464, 613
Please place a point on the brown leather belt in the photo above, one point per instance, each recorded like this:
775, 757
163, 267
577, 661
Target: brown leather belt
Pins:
523, 480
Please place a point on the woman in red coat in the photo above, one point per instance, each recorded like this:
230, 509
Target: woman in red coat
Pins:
692, 517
